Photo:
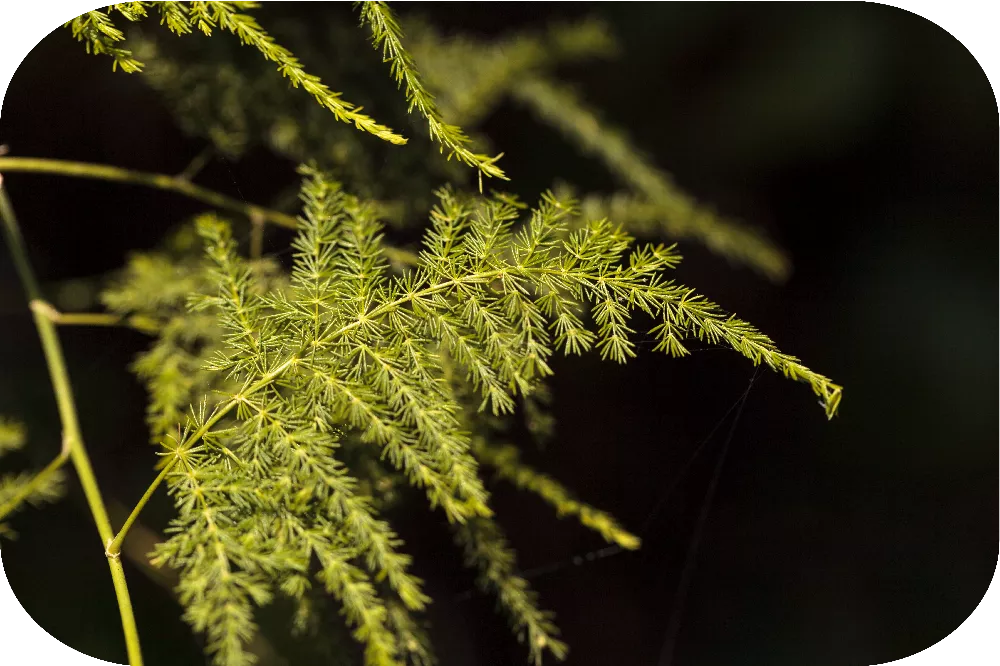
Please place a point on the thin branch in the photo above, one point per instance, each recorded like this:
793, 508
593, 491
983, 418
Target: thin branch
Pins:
140, 323
387, 35
72, 439
57, 367
114, 548
196, 164
86, 319
178, 184
155, 180
256, 236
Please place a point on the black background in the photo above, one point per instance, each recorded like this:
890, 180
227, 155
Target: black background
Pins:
862, 137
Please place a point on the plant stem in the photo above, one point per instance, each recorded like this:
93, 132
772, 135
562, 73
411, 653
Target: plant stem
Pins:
140, 323
198, 163
256, 236
114, 548
87, 319
72, 439
179, 184
125, 610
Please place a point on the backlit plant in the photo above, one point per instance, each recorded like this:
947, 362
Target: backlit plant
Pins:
293, 406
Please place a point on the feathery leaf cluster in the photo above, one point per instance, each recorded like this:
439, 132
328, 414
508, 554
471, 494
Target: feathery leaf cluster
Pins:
387, 34
345, 354
295, 408
471, 78
680, 215
506, 461
156, 287
485, 548
12, 435
481, 74
100, 36
24, 487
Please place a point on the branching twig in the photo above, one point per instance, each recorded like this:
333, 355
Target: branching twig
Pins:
72, 439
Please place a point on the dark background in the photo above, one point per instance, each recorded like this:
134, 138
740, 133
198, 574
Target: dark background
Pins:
862, 137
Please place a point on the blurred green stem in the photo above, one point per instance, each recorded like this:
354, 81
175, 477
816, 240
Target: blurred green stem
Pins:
86, 319
140, 323
179, 184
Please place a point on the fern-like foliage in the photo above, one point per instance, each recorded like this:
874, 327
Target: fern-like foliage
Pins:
474, 75
97, 31
100, 36
482, 74
680, 216
387, 34
506, 461
22, 488
345, 362
296, 408
486, 549
155, 287
470, 77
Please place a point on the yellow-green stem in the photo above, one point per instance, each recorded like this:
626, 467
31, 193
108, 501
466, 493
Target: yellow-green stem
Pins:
198, 163
125, 610
141, 323
256, 236
159, 181
72, 439
179, 184
114, 548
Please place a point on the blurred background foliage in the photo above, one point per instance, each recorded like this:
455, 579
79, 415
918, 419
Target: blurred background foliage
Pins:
860, 137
